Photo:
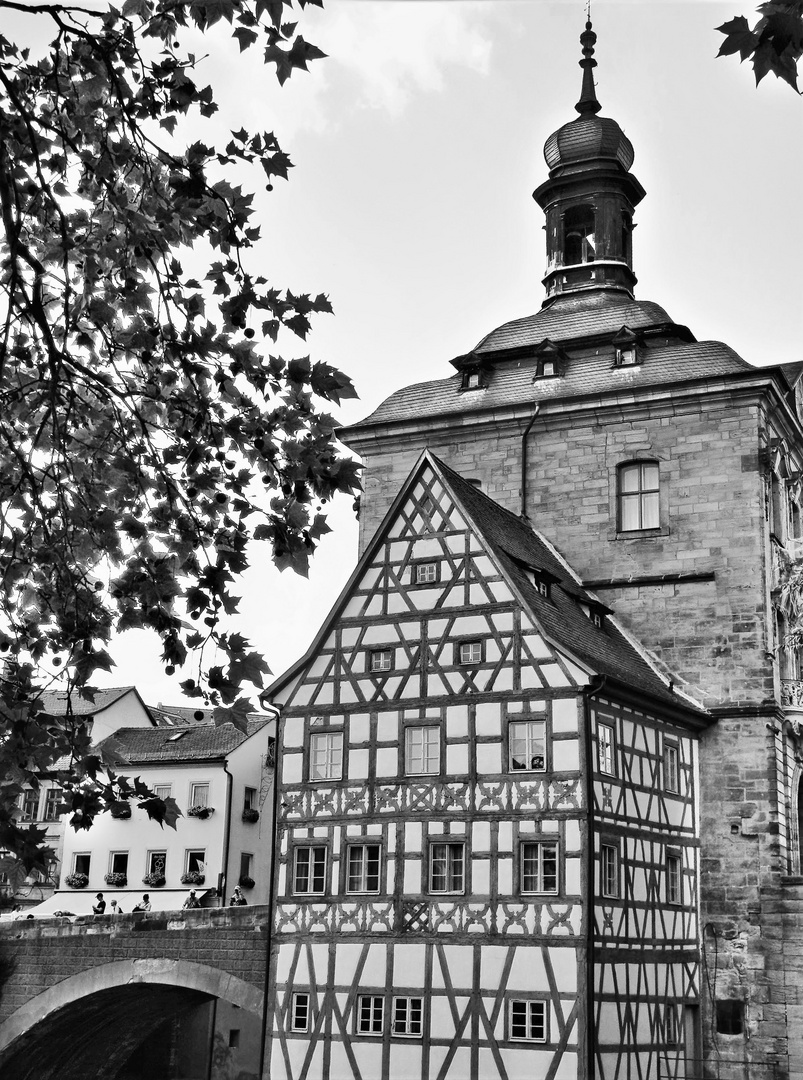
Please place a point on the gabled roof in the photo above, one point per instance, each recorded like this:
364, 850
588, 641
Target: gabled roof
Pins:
515, 545
205, 742
56, 702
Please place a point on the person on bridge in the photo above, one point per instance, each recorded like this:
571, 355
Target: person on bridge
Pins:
144, 904
192, 900
238, 900
116, 909
100, 905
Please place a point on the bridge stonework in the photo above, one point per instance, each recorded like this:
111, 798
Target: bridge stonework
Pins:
78, 996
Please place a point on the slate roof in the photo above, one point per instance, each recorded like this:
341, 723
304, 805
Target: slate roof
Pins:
141, 746
54, 702
604, 649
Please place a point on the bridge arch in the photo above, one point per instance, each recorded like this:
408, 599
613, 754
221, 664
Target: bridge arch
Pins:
89, 1023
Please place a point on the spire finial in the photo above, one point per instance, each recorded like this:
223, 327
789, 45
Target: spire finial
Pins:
588, 98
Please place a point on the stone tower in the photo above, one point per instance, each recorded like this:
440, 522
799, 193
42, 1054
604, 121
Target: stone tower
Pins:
667, 471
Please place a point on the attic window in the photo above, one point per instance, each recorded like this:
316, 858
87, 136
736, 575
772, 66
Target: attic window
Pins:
176, 737
541, 583
473, 379
627, 356
550, 360
596, 615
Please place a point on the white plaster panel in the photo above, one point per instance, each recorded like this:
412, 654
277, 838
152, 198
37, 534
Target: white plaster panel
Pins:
387, 761
579, 675
457, 721
537, 646
412, 876
501, 593
426, 548
283, 963
493, 959
379, 634
461, 1062
435, 686
457, 827
349, 636
424, 599
282, 880
318, 667
485, 568
410, 631
564, 964
409, 962
460, 965
503, 620
492, 653
529, 1061
566, 755
347, 694
554, 675
457, 759
392, 685
481, 836
412, 836
527, 972
353, 608
303, 694
572, 876
434, 828
529, 678
504, 680
469, 624
390, 871
456, 543
293, 734
480, 877
489, 758
358, 764
504, 871
368, 1056
396, 605
505, 841
359, 727
488, 718
405, 1060
565, 714
572, 835
437, 627
292, 768
321, 832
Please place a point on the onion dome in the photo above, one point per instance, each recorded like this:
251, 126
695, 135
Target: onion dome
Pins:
588, 136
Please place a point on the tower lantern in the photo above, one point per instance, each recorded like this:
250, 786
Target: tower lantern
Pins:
589, 197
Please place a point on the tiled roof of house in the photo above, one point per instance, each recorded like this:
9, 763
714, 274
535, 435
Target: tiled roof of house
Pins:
55, 702
514, 542
205, 742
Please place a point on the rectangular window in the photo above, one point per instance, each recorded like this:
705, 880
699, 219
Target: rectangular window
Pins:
309, 871
422, 751
199, 794
52, 801
609, 870
638, 496
469, 652
370, 1014
80, 863
539, 867
195, 862
671, 767
425, 573
408, 1015
381, 660
246, 865
326, 756
528, 1021
157, 860
29, 805
118, 862
605, 749
299, 1020
671, 1025
674, 879
165, 791
250, 798
234, 1037
363, 868
527, 745
447, 868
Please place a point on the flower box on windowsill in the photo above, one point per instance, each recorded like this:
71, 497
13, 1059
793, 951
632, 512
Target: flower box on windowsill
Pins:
250, 815
201, 812
155, 881
118, 880
246, 882
120, 810
193, 877
76, 881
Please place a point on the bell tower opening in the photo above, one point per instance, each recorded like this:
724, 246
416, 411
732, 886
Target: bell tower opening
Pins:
579, 229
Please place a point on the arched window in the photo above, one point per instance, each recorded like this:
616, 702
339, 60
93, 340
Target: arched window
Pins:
580, 244
638, 488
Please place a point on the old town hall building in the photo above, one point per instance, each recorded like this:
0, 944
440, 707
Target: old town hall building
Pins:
540, 800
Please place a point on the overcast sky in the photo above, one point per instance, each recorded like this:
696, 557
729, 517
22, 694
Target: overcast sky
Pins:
417, 146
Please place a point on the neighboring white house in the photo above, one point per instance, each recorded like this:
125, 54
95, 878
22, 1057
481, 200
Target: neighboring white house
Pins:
222, 779
108, 711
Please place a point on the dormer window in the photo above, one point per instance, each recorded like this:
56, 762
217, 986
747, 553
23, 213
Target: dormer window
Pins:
626, 344
550, 360
472, 380
596, 614
473, 372
626, 356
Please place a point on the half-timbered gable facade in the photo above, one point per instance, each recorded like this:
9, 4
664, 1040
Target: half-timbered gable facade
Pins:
439, 909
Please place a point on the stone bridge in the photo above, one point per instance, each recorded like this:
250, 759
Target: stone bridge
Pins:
78, 996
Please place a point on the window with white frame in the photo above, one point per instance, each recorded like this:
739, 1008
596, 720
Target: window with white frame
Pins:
381, 660
469, 652
370, 1014
326, 755
408, 1017
250, 798
671, 767
674, 878
528, 1021
246, 865
300, 1015
199, 794
309, 870
527, 745
195, 861
29, 805
362, 874
609, 870
53, 797
606, 759
422, 750
165, 791
80, 862
447, 872
156, 863
425, 573
539, 866
638, 490
118, 862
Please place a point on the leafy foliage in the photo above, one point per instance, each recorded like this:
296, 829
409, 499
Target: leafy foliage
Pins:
774, 44
149, 432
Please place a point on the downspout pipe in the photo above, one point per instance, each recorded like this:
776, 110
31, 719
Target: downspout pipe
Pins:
272, 891
527, 430
223, 880
595, 687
